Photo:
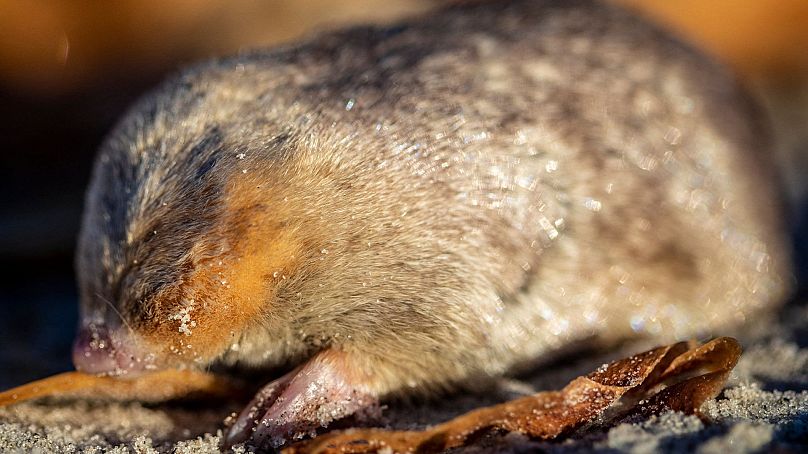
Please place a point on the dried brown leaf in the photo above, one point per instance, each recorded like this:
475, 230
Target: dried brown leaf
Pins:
554, 414
692, 374
151, 387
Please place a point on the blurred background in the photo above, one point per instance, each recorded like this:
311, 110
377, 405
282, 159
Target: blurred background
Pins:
68, 69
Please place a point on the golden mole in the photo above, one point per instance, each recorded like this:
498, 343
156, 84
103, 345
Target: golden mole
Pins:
406, 209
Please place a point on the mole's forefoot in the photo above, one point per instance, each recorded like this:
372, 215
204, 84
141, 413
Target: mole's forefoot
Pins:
309, 398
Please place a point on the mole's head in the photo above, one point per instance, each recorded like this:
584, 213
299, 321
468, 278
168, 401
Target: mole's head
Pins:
180, 250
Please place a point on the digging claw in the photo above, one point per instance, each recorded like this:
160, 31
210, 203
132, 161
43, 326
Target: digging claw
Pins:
248, 419
300, 403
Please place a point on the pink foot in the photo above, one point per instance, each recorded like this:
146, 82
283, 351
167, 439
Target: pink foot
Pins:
307, 399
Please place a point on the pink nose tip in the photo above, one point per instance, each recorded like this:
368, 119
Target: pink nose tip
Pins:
98, 351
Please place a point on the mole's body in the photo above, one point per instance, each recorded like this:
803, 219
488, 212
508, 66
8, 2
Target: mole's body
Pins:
409, 208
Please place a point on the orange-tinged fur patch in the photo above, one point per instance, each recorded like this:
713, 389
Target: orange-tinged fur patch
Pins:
234, 273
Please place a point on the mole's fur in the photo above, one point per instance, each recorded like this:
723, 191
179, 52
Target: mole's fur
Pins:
419, 206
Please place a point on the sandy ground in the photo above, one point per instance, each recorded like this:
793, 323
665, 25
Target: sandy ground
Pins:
763, 408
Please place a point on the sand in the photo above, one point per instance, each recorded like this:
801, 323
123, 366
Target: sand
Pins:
763, 408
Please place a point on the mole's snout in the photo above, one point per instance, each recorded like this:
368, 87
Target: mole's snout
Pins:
97, 350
